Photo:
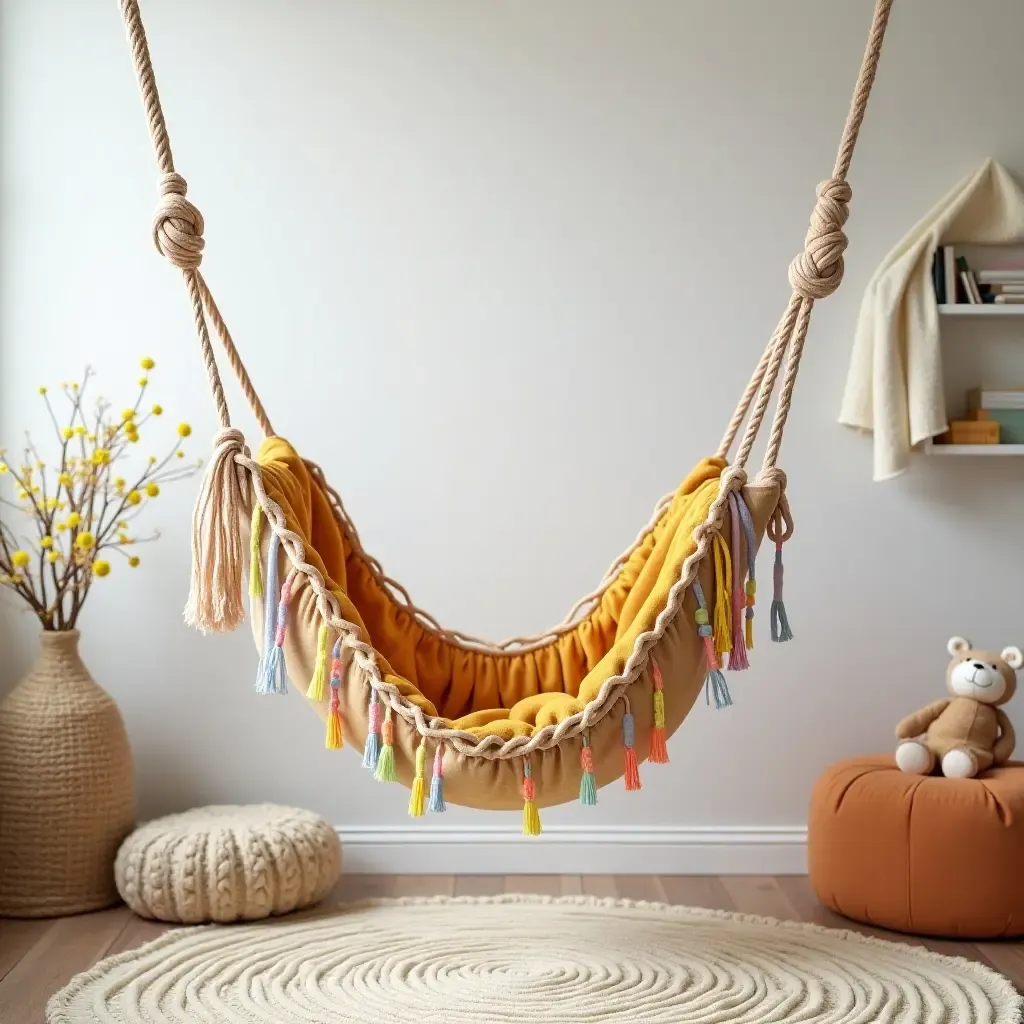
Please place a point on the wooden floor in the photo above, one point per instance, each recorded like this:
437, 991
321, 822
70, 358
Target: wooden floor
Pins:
38, 957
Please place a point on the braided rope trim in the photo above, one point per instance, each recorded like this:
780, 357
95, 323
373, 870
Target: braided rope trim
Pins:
467, 642
437, 728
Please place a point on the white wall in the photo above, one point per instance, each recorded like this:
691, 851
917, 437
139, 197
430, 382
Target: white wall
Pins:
503, 269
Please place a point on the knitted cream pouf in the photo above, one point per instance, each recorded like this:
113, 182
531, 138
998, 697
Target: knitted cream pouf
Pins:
228, 864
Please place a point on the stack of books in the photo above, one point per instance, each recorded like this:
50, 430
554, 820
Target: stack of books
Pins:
1005, 285
957, 282
1003, 406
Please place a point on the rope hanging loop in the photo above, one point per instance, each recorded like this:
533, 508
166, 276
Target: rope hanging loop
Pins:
818, 271
178, 225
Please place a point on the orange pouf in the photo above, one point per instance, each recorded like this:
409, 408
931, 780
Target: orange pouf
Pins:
927, 855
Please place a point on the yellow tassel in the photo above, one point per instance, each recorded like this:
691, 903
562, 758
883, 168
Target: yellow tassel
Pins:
255, 568
531, 819
317, 688
334, 739
417, 798
723, 578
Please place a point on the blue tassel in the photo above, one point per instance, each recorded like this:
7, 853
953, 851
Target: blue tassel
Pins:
371, 752
779, 619
269, 613
435, 803
716, 686
588, 784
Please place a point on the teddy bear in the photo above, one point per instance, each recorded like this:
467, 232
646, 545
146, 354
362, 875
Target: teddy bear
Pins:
968, 733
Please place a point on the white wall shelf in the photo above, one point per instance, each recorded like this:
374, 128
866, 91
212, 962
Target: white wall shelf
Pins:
985, 309
973, 449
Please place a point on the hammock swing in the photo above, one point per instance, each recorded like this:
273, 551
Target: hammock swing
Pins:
534, 720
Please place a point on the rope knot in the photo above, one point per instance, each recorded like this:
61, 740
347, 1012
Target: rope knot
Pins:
817, 271
178, 225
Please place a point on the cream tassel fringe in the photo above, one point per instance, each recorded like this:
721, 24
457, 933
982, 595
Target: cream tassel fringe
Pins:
215, 601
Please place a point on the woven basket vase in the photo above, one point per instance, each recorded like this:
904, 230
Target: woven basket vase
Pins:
67, 796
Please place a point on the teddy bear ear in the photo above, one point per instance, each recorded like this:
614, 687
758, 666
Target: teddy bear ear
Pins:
957, 645
1013, 657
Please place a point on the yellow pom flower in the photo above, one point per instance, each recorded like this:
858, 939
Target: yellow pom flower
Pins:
74, 520
74, 387
51, 503
123, 525
3, 468
101, 568
46, 542
20, 559
64, 479
85, 541
42, 390
152, 490
143, 382
23, 494
101, 456
52, 556
134, 561
91, 438
128, 415
67, 433
134, 497
184, 430
152, 460
157, 410
179, 454
80, 430
123, 538
147, 363
61, 527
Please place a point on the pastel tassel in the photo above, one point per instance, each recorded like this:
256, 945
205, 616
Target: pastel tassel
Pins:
255, 536
436, 804
715, 682
371, 752
588, 784
317, 685
723, 575
629, 742
335, 739
417, 798
531, 819
269, 613
738, 658
700, 616
751, 587
386, 762
275, 675
779, 619
659, 749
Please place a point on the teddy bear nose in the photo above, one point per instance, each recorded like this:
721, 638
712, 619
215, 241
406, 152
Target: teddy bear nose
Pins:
977, 664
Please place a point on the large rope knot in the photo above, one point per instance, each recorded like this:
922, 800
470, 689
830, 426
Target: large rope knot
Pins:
817, 272
178, 225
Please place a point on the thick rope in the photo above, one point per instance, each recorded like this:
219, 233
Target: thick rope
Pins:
178, 228
816, 272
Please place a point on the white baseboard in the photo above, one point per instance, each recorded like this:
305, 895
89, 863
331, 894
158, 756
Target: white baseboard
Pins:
612, 850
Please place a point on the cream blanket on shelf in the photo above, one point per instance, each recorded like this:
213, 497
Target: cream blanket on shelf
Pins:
894, 386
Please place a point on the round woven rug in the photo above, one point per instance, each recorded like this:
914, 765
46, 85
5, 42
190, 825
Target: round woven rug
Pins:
531, 959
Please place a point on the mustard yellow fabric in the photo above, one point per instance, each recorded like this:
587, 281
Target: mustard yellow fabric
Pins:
493, 693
